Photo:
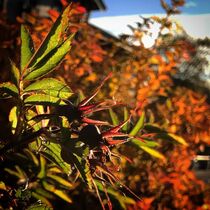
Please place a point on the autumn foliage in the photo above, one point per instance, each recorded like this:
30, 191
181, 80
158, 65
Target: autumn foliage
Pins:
176, 117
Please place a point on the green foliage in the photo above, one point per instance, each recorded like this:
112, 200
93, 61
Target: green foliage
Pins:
139, 125
51, 87
27, 48
53, 143
8, 89
32, 163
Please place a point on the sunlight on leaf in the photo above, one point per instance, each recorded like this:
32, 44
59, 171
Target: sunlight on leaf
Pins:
49, 61
60, 193
42, 198
60, 180
179, 139
52, 152
50, 86
54, 38
139, 125
15, 73
114, 117
27, 48
13, 115
8, 89
154, 153
41, 99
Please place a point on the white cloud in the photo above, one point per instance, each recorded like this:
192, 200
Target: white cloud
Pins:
190, 4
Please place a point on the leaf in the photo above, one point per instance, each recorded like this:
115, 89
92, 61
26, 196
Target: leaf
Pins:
12, 172
8, 89
178, 139
42, 198
15, 73
59, 193
27, 48
2, 186
39, 207
54, 38
83, 167
49, 61
77, 155
18, 172
114, 117
44, 193
126, 116
41, 99
139, 125
153, 128
123, 200
52, 152
145, 143
31, 155
50, 86
13, 117
42, 172
60, 180
154, 153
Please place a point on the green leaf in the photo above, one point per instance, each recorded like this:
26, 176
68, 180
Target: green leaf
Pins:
52, 152
39, 207
49, 61
18, 172
50, 86
31, 155
122, 199
169, 136
60, 193
15, 73
126, 115
41, 99
12, 172
54, 38
42, 198
114, 117
60, 180
179, 139
44, 193
8, 89
27, 48
75, 155
147, 143
154, 153
42, 171
139, 125
153, 128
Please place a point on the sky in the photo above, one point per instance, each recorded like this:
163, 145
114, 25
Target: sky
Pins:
195, 16
129, 7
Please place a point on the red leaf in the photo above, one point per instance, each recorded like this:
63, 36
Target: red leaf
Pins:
81, 10
94, 122
53, 14
64, 2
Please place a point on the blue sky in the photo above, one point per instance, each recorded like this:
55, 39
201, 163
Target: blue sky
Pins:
128, 7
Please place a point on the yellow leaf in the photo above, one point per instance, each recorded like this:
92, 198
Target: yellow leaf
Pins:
59, 193
13, 118
62, 195
2, 186
154, 153
60, 180
178, 139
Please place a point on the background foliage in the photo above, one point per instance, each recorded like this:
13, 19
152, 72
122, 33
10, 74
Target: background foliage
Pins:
172, 116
